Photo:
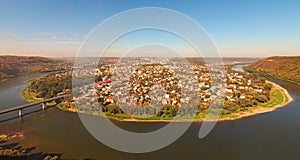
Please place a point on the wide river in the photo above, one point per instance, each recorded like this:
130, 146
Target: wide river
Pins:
272, 135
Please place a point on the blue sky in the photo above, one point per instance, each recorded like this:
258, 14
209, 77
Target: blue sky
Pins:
240, 28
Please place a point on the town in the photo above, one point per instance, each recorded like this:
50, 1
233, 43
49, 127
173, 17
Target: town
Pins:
149, 86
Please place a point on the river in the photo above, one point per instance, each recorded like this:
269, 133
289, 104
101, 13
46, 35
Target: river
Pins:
271, 135
239, 68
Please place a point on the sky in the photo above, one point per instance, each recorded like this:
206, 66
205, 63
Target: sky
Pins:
239, 28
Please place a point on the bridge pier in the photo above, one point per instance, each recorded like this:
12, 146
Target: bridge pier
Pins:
44, 105
20, 113
20, 108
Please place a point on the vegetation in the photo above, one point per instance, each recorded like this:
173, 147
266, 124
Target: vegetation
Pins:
277, 97
287, 68
12, 66
51, 86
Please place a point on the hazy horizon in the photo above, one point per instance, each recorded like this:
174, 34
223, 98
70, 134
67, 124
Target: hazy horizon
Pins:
146, 56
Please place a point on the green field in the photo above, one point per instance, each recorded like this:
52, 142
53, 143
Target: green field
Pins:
277, 97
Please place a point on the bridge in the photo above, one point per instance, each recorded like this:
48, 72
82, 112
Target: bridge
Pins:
21, 107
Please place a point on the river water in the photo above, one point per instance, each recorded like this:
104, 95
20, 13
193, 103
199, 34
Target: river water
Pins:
272, 135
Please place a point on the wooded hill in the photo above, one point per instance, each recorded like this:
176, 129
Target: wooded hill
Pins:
287, 68
11, 66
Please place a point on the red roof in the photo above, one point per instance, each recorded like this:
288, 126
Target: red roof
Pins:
102, 82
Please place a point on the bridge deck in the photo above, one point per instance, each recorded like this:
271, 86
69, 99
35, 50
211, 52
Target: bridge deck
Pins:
30, 104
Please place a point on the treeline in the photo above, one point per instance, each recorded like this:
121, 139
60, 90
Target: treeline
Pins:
163, 111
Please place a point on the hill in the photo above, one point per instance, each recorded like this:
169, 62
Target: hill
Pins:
11, 66
287, 68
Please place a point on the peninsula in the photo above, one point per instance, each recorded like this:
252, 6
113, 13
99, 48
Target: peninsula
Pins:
246, 94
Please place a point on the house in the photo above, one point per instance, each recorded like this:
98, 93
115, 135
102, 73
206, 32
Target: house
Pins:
243, 96
228, 90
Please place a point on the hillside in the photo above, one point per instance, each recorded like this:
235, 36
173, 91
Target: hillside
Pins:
11, 66
282, 67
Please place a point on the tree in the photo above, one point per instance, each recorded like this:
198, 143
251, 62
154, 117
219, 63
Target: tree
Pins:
261, 98
268, 86
231, 106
